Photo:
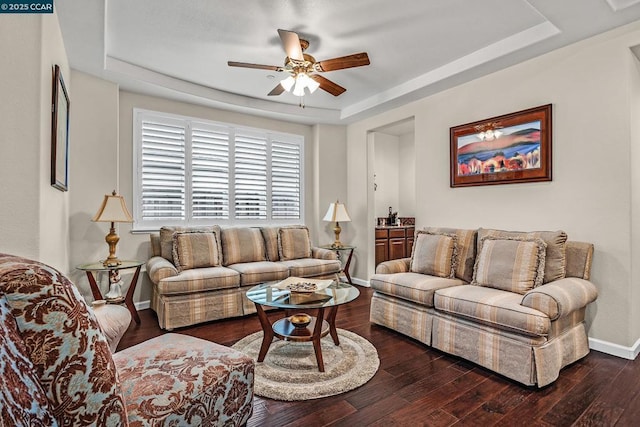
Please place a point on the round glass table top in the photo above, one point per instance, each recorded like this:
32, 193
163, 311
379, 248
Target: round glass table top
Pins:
269, 294
99, 266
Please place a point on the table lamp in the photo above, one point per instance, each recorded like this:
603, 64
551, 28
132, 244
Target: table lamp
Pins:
113, 209
336, 213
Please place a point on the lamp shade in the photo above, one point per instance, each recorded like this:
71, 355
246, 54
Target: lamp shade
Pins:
113, 209
337, 213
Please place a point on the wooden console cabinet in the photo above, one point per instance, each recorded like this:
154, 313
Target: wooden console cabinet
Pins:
393, 243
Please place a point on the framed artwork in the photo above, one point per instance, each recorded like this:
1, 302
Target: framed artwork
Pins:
59, 133
506, 149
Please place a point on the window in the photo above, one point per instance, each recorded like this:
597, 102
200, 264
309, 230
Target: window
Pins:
189, 172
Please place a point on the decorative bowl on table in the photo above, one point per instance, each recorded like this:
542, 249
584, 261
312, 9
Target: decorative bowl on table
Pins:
300, 320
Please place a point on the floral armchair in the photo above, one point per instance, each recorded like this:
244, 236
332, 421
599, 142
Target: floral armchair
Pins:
57, 367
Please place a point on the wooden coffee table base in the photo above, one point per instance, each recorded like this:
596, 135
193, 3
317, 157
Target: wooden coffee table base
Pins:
283, 329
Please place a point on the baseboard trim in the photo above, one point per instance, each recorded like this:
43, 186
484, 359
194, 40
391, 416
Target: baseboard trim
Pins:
142, 305
360, 282
615, 349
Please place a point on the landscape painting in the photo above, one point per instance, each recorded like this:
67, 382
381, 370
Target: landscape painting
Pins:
505, 149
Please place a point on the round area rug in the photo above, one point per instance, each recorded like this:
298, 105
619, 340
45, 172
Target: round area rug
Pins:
290, 371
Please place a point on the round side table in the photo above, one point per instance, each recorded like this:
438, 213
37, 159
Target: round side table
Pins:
97, 267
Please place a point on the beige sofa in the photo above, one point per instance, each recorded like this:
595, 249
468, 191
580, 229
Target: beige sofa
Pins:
511, 302
202, 273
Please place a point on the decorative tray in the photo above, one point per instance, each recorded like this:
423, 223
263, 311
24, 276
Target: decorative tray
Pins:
303, 285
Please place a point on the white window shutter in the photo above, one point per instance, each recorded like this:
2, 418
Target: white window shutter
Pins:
162, 187
285, 180
209, 172
250, 176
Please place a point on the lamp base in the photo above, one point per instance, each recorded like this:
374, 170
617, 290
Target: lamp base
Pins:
112, 240
111, 262
336, 230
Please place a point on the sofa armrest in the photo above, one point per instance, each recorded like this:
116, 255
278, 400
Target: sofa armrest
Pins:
394, 266
321, 253
159, 268
561, 297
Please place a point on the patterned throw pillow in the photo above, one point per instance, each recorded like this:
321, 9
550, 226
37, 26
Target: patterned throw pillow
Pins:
434, 254
294, 243
242, 244
166, 237
63, 340
23, 402
466, 247
513, 264
195, 250
270, 235
556, 241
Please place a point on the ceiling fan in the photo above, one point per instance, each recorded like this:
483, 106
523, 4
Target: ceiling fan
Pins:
303, 68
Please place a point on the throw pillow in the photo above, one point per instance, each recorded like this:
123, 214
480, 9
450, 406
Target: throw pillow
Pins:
166, 237
556, 258
22, 399
513, 264
434, 254
242, 244
195, 250
294, 243
466, 247
270, 235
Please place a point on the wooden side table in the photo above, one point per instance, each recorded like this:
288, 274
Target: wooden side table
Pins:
340, 253
97, 267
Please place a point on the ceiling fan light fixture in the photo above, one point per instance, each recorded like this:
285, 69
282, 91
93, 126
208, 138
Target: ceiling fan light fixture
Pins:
312, 85
288, 83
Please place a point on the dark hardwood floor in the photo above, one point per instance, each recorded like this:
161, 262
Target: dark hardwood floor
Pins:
417, 385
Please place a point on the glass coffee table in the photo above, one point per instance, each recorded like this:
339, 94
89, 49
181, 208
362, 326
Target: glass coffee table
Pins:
299, 327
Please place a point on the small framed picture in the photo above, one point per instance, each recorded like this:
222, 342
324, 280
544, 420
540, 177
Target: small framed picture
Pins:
506, 149
59, 133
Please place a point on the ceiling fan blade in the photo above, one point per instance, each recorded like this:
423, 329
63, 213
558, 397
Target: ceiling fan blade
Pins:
349, 61
256, 66
291, 44
327, 85
276, 90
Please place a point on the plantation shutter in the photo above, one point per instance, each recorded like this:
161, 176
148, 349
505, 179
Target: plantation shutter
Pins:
250, 176
285, 180
210, 172
162, 189
194, 172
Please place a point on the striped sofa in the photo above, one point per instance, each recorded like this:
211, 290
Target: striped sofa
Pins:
511, 302
202, 273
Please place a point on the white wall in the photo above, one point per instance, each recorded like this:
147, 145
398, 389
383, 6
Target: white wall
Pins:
33, 215
407, 175
590, 196
386, 167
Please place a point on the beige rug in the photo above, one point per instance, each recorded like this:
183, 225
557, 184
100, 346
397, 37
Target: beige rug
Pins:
290, 371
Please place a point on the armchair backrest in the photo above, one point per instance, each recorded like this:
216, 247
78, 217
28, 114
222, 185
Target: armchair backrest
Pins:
61, 336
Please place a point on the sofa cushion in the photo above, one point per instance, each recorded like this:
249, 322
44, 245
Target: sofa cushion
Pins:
242, 244
166, 237
71, 355
311, 267
23, 401
555, 259
252, 273
270, 236
434, 254
512, 264
176, 379
294, 243
492, 307
195, 250
414, 287
198, 280
466, 247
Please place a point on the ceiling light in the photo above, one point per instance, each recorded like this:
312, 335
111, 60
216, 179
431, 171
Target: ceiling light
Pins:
288, 83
